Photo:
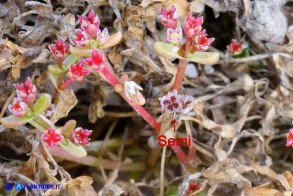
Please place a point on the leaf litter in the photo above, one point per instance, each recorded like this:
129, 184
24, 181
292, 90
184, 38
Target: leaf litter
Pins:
241, 114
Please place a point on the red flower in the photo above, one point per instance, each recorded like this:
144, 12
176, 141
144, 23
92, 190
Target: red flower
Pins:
169, 18
192, 186
18, 108
80, 136
192, 26
77, 71
96, 62
290, 138
59, 49
80, 39
235, 47
26, 92
52, 137
90, 23
201, 42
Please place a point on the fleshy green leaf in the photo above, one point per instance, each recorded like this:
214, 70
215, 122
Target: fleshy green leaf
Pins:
42, 104
69, 60
203, 57
81, 52
202, 194
13, 121
167, 50
77, 151
244, 53
53, 79
55, 70
113, 40
68, 128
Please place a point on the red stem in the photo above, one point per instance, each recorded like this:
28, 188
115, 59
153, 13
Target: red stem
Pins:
180, 74
112, 79
66, 84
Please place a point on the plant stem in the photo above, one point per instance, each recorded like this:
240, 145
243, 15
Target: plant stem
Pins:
112, 79
180, 74
138, 108
162, 172
94, 162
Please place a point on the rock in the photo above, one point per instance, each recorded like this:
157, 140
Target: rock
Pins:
266, 21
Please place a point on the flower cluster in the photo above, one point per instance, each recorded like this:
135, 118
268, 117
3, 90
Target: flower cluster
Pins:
52, 137
89, 37
235, 47
196, 37
90, 29
192, 186
78, 136
26, 95
59, 49
176, 103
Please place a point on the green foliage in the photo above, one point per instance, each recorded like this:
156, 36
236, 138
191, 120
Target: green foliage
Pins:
13, 121
172, 191
68, 128
77, 151
42, 104
55, 70
168, 50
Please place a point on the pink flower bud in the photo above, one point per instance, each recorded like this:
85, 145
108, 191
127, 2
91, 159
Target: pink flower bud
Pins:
201, 42
102, 36
80, 39
18, 108
235, 47
169, 18
90, 24
59, 49
131, 90
26, 92
77, 71
290, 138
192, 186
80, 136
52, 137
192, 26
174, 36
96, 62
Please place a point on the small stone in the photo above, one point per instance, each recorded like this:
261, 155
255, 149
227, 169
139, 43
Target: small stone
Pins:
191, 71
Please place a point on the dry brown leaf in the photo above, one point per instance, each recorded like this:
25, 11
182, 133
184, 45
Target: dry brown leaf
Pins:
81, 185
265, 170
182, 6
231, 175
96, 111
113, 190
29, 168
67, 101
262, 192
137, 57
67, 27
42, 9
